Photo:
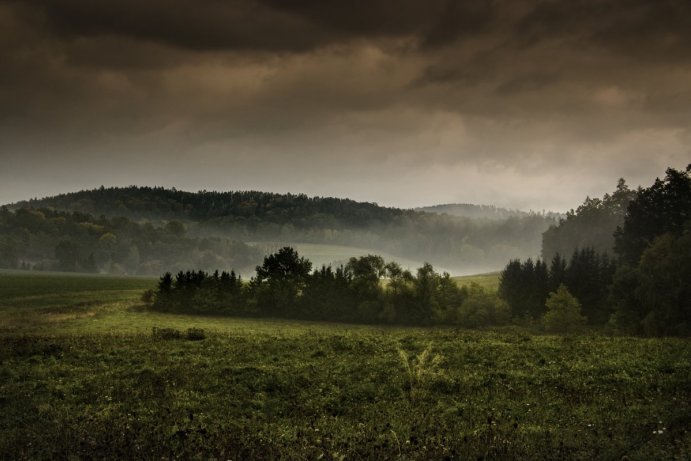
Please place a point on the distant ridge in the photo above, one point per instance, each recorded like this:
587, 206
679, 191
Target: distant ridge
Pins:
143, 202
163, 203
469, 210
463, 238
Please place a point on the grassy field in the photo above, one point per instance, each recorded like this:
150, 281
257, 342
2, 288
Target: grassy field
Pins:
35, 300
83, 378
489, 281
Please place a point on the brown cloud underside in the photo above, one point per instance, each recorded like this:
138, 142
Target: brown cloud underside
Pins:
423, 94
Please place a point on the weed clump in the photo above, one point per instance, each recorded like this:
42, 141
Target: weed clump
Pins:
422, 371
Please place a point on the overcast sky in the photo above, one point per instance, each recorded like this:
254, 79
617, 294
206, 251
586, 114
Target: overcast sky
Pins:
524, 104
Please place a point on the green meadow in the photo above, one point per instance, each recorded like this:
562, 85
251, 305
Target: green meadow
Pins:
82, 375
488, 281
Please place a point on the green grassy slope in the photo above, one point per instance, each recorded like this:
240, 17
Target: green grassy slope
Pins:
489, 281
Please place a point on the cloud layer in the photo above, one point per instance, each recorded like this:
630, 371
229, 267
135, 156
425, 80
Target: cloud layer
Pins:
530, 104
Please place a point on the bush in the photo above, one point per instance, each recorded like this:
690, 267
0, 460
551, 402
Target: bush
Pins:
195, 334
563, 312
481, 309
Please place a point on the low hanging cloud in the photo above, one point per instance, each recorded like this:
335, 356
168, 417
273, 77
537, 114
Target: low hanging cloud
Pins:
530, 104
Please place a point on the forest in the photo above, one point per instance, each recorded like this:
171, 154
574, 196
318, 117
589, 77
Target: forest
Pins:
45, 239
458, 243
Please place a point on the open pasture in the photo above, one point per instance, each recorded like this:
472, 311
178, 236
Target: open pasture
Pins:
102, 386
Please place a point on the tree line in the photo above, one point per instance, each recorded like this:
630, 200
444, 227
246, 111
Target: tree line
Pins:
644, 287
587, 275
366, 289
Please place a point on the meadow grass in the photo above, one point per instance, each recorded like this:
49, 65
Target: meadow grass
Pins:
31, 300
91, 381
45, 289
488, 281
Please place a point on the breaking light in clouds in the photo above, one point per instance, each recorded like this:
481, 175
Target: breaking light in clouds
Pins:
526, 104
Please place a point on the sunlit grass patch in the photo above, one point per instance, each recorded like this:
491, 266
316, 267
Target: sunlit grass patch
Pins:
489, 281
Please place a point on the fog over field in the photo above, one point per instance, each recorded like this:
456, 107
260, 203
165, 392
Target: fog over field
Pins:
518, 104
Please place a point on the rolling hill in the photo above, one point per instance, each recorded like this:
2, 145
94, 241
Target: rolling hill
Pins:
206, 227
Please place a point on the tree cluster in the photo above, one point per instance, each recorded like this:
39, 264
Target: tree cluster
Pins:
45, 239
651, 290
587, 275
645, 288
366, 289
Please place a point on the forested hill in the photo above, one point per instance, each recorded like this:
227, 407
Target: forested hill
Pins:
460, 244
160, 203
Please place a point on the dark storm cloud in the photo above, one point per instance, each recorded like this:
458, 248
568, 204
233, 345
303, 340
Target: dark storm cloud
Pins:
265, 25
635, 28
632, 27
199, 25
464, 99
434, 22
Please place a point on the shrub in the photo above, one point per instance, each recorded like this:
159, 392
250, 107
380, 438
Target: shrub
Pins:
563, 312
481, 308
